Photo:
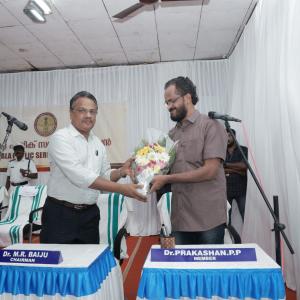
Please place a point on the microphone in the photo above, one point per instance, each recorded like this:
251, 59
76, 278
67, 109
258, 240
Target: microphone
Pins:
215, 115
12, 119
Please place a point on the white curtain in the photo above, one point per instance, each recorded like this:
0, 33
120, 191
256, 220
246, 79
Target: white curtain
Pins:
140, 87
264, 91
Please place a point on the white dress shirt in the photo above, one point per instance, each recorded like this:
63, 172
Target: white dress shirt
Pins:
75, 163
13, 170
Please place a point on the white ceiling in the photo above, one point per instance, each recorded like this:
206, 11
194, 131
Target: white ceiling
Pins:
84, 33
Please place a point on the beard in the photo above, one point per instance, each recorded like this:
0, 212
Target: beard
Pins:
181, 113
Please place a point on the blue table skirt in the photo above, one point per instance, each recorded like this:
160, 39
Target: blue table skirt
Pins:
42, 281
175, 283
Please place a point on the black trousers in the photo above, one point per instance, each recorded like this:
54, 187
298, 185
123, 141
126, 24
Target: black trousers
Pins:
211, 236
65, 225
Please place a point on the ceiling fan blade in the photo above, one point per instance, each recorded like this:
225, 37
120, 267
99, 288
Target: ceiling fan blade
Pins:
126, 12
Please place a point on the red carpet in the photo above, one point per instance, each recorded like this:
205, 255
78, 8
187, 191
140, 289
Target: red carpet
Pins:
138, 248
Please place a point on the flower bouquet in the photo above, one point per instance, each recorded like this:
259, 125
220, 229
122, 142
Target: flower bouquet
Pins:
153, 156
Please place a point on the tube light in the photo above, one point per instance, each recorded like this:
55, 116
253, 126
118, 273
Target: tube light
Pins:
44, 6
34, 13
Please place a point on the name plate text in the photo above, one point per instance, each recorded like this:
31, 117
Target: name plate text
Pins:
203, 254
30, 256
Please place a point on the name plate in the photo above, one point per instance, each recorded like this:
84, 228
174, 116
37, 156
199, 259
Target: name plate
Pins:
203, 254
30, 256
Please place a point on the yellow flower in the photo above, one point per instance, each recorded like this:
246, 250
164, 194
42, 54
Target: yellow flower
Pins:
144, 151
156, 169
158, 148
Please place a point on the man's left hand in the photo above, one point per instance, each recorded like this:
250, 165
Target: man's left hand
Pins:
158, 182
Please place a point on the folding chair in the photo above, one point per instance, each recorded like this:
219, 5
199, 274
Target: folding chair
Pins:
113, 216
25, 202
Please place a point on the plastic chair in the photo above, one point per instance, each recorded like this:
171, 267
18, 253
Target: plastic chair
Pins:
22, 215
233, 235
164, 207
112, 225
3, 199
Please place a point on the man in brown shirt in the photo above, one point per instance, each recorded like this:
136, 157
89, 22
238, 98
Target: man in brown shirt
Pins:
197, 176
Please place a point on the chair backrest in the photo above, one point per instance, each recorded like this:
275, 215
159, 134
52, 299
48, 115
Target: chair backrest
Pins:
231, 234
23, 200
164, 207
3, 196
113, 216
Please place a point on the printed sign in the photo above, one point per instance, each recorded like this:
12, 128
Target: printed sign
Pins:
30, 256
203, 254
42, 122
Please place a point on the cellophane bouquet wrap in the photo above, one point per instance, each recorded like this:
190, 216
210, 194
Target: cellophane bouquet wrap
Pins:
153, 156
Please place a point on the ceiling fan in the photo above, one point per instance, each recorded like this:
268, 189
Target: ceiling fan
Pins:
128, 11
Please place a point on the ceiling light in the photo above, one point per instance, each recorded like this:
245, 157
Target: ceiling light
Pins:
34, 12
44, 6
37, 16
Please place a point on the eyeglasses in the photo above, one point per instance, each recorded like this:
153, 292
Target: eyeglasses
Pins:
172, 101
84, 111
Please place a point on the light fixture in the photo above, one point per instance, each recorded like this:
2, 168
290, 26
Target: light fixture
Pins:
43, 5
36, 10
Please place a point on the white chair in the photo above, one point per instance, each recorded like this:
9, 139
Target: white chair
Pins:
164, 206
22, 212
231, 234
3, 200
143, 218
113, 216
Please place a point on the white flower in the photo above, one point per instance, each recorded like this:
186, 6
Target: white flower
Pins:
141, 161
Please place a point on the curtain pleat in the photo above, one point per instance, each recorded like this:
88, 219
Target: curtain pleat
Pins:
141, 87
264, 89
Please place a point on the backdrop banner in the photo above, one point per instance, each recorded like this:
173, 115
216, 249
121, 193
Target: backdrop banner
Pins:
42, 122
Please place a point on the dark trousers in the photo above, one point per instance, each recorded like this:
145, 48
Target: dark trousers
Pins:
211, 236
241, 202
65, 225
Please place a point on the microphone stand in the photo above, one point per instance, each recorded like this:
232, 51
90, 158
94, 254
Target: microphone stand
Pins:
8, 132
278, 227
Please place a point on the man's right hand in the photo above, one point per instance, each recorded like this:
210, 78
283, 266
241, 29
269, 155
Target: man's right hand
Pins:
130, 190
24, 172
